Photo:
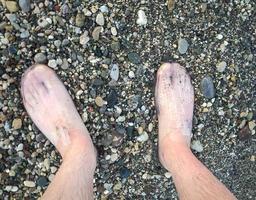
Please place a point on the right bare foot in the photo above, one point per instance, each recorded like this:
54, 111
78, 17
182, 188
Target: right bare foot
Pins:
175, 102
52, 110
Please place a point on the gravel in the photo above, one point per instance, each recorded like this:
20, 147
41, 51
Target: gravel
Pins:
84, 41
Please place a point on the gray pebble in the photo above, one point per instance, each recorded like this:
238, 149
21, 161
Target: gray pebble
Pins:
52, 63
134, 58
114, 72
65, 64
40, 58
25, 5
207, 87
221, 66
24, 34
182, 46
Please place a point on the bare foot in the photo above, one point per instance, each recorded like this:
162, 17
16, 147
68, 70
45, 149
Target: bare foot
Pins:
174, 96
52, 110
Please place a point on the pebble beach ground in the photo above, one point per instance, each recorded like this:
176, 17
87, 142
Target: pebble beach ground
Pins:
107, 54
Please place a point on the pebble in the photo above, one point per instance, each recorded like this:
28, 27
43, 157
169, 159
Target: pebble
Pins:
24, 34
84, 38
182, 46
52, 63
114, 72
100, 19
42, 22
40, 58
197, 146
80, 19
112, 98
29, 184
25, 5
134, 58
114, 157
19, 147
244, 133
131, 74
96, 33
207, 87
168, 175
142, 18
221, 66
170, 5
113, 31
104, 9
42, 181
124, 172
143, 137
251, 125
12, 6
65, 64
99, 101
219, 37
16, 124
115, 45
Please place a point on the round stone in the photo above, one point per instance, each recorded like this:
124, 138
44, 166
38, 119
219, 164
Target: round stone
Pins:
12, 6
197, 146
80, 20
99, 101
142, 18
40, 58
114, 72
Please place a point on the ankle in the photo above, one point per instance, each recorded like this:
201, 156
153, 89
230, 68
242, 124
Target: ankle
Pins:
171, 150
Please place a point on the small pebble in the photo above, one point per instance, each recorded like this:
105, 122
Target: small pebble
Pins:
25, 5
52, 63
65, 64
182, 46
100, 19
80, 19
197, 146
24, 34
29, 184
131, 74
143, 137
12, 6
84, 38
207, 87
142, 18
221, 66
42, 181
16, 124
40, 58
134, 58
99, 101
114, 72
96, 33
113, 31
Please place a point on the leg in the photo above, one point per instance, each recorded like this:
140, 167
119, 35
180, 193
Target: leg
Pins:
52, 110
175, 102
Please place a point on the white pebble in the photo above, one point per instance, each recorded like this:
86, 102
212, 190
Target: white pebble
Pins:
113, 31
52, 63
142, 18
131, 74
143, 137
29, 184
197, 146
114, 72
100, 19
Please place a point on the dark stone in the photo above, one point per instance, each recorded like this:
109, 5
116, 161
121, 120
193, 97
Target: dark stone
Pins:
42, 181
207, 87
244, 133
98, 52
130, 132
97, 82
134, 58
12, 50
124, 172
112, 99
